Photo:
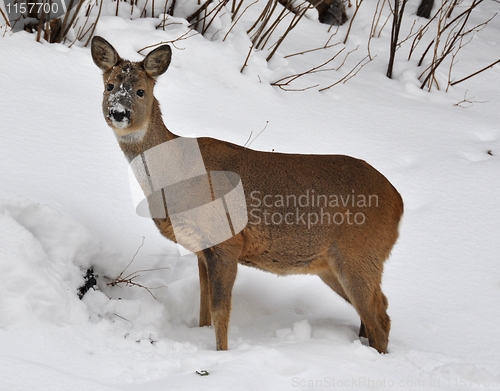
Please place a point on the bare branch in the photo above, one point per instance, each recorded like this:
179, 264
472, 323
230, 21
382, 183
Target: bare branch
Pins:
451, 23
264, 16
469, 103
290, 79
396, 27
215, 12
197, 13
172, 42
353, 72
476, 73
376, 18
246, 59
358, 5
298, 89
94, 24
128, 280
296, 19
312, 50
132, 260
267, 33
239, 17
346, 57
458, 37
5, 17
421, 33
247, 144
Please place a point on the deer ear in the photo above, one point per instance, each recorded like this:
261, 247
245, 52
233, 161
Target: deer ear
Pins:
157, 61
103, 54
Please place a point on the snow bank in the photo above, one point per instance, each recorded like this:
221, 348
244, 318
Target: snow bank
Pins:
43, 254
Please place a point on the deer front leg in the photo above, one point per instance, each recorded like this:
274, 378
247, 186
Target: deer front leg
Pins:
221, 267
205, 318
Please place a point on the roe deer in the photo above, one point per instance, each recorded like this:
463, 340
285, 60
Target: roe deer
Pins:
330, 215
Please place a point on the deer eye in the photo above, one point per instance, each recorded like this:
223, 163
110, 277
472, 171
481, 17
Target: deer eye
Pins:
140, 93
110, 87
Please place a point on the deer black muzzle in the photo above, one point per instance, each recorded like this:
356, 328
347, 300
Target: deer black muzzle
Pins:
119, 115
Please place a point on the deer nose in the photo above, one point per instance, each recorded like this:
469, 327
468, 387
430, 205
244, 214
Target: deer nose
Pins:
119, 115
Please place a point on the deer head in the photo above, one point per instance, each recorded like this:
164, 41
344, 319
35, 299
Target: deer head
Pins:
128, 86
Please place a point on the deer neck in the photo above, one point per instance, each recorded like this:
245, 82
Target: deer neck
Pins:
152, 134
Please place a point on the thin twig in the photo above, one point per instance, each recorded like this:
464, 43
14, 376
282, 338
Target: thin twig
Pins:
215, 11
296, 19
396, 27
128, 280
5, 17
255, 138
239, 17
95, 23
422, 31
345, 58
246, 59
476, 73
358, 5
291, 78
467, 11
197, 13
449, 45
353, 72
262, 16
298, 89
469, 102
125, 319
312, 50
249, 137
172, 42
267, 33
375, 22
132, 260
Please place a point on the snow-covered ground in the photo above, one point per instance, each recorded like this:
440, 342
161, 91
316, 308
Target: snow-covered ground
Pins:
65, 205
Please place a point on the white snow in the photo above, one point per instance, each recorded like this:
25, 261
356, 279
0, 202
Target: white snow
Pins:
65, 204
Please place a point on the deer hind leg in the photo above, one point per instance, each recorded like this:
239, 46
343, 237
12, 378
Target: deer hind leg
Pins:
364, 292
330, 279
205, 318
221, 268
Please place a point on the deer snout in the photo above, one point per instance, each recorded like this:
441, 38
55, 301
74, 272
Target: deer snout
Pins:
120, 115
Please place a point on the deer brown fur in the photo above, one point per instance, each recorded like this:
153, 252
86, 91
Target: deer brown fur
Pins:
348, 257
